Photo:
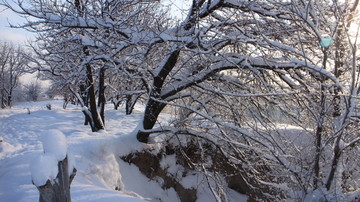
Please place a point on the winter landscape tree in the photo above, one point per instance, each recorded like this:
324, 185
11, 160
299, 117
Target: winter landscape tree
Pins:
12, 63
32, 91
80, 54
264, 84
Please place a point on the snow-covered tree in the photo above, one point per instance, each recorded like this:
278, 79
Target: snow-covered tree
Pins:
32, 91
246, 63
79, 41
12, 65
234, 71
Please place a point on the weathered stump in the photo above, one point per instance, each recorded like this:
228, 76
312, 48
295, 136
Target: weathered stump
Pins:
58, 190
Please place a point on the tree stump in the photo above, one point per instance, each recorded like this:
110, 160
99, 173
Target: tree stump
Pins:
58, 190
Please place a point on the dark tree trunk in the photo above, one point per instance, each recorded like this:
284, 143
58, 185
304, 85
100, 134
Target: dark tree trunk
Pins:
2, 79
334, 164
102, 99
317, 156
65, 101
59, 189
3, 98
96, 122
320, 127
153, 107
3, 104
130, 103
116, 102
128, 106
152, 111
116, 105
319, 134
9, 100
85, 100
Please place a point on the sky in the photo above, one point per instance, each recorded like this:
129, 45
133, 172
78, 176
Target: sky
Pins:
22, 36
11, 34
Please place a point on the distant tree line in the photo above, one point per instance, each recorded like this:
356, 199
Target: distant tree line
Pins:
14, 62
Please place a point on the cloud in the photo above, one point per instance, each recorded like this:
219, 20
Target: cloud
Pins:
15, 35
11, 34
8, 15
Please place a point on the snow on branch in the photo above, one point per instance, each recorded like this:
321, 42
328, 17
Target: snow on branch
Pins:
329, 75
242, 131
220, 63
260, 7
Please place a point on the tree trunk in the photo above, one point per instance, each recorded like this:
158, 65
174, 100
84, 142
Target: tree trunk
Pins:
320, 123
59, 189
3, 99
3, 105
102, 99
116, 105
85, 98
9, 100
2, 79
337, 154
152, 111
128, 107
116, 102
65, 101
317, 156
130, 103
96, 122
153, 107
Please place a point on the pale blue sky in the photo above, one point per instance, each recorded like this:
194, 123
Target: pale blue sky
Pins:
11, 34
20, 35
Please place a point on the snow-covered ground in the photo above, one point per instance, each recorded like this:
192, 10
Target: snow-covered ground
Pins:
95, 155
98, 170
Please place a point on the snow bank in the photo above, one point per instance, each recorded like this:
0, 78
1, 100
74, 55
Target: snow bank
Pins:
45, 167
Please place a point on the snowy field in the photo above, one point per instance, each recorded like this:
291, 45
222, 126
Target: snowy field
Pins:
98, 172
95, 155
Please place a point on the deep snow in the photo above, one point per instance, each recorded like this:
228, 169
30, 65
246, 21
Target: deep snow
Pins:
100, 172
23, 133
